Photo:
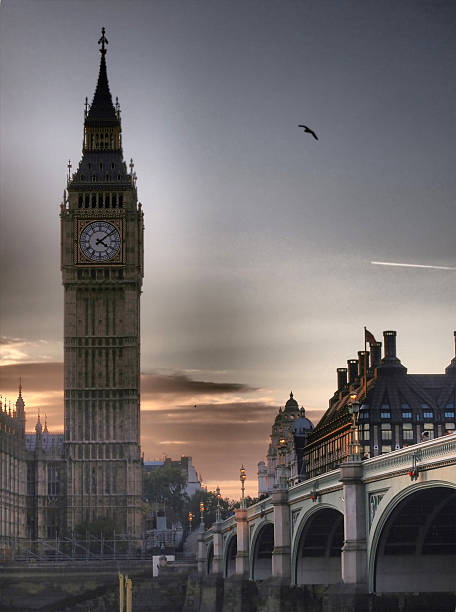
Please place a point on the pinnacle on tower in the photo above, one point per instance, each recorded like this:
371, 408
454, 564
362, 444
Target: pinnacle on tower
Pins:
102, 108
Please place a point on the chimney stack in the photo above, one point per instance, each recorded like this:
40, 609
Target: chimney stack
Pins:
352, 370
389, 338
376, 354
363, 359
341, 378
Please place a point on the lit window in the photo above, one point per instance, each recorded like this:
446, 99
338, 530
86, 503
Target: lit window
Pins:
387, 434
428, 414
407, 431
406, 415
449, 427
385, 415
386, 448
428, 432
365, 430
449, 414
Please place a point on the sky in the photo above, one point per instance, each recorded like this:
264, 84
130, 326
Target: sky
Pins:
259, 239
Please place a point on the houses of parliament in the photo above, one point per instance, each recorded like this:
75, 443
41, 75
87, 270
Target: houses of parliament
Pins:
52, 483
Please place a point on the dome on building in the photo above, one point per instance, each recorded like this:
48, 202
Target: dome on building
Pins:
291, 404
302, 424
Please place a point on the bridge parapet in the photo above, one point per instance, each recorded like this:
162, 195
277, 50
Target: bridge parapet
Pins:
426, 454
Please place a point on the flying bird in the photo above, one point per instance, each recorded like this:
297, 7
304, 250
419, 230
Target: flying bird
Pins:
307, 130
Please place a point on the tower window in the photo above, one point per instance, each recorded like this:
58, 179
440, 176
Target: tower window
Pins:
86, 200
90, 166
107, 178
94, 178
82, 177
107, 200
101, 165
120, 201
114, 200
94, 200
113, 165
80, 200
119, 177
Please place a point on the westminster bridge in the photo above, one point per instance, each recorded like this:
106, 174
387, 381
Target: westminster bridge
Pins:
383, 525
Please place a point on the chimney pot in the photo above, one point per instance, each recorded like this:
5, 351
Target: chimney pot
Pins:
363, 359
352, 370
341, 378
389, 338
376, 354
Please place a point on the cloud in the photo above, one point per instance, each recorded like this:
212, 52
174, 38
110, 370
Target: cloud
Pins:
178, 383
20, 350
212, 422
36, 377
4, 340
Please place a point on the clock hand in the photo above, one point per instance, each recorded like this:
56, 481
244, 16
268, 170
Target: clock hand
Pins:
104, 237
101, 242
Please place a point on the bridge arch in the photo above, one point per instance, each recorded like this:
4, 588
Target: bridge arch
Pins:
261, 547
317, 546
413, 544
229, 560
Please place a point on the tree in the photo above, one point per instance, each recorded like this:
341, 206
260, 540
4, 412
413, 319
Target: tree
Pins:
164, 486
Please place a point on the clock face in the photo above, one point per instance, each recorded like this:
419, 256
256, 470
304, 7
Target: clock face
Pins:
100, 241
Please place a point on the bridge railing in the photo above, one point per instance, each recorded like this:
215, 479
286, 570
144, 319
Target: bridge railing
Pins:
423, 455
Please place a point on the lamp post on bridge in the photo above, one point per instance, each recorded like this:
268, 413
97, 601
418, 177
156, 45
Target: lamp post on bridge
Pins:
283, 476
218, 515
201, 516
217, 561
242, 478
201, 558
242, 534
354, 550
353, 410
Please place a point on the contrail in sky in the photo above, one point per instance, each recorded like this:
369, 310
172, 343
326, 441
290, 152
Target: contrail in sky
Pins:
406, 265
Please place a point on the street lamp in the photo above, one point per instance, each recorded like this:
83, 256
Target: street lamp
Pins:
218, 516
201, 516
282, 455
190, 519
353, 410
242, 478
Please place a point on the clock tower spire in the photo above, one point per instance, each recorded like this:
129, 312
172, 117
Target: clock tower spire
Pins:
102, 272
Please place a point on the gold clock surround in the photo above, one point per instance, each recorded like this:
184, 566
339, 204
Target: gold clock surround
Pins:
81, 224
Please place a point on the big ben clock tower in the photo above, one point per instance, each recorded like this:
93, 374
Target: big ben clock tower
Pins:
102, 272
